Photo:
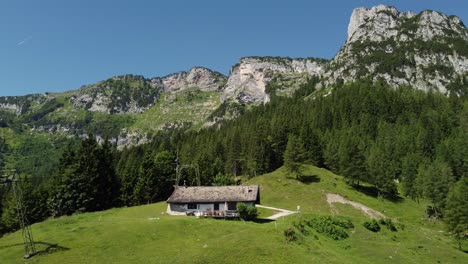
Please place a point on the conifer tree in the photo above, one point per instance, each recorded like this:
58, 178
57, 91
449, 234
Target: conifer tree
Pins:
294, 156
409, 171
379, 173
146, 189
439, 180
456, 211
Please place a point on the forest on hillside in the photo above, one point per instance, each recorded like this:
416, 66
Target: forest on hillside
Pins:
397, 143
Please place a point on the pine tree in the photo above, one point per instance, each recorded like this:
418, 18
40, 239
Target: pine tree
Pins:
87, 173
165, 174
146, 189
128, 172
380, 176
107, 185
456, 210
312, 145
351, 158
437, 184
294, 156
63, 190
409, 171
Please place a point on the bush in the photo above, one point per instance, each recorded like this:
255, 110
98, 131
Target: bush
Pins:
301, 226
372, 226
247, 212
290, 234
389, 224
331, 226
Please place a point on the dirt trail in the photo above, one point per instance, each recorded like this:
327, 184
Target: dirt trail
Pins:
336, 198
282, 212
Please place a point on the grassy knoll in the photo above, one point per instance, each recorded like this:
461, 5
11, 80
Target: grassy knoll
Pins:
145, 234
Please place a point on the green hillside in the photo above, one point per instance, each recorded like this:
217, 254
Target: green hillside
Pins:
145, 234
191, 106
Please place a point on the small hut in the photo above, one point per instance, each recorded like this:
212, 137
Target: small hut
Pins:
212, 201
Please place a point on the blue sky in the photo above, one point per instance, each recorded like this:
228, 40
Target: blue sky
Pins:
51, 46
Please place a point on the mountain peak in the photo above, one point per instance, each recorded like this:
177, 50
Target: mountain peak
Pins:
385, 16
427, 51
383, 22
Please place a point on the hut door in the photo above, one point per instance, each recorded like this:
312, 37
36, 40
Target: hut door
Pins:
216, 206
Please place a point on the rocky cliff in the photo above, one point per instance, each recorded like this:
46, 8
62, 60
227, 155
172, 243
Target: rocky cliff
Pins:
428, 51
248, 79
203, 78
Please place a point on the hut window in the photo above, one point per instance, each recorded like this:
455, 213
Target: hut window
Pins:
192, 206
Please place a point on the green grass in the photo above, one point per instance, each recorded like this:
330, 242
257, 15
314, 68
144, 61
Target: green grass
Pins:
145, 234
189, 105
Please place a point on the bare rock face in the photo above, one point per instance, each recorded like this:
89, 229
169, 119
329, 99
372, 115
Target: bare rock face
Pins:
427, 51
381, 20
203, 78
248, 79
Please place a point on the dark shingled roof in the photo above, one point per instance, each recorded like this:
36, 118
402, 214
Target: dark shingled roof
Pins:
206, 194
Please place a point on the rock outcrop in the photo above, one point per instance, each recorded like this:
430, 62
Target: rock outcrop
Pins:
248, 79
203, 78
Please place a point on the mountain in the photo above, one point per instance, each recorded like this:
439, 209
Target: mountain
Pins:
120, 107
426, 51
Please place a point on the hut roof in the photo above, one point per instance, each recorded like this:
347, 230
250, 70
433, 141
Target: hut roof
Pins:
201, 194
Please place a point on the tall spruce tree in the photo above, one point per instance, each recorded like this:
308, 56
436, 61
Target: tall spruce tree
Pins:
294, 156
456, 211
409, 172
438, 181
379, 174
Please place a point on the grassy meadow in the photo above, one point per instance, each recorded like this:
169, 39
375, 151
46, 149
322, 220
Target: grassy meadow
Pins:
146, 234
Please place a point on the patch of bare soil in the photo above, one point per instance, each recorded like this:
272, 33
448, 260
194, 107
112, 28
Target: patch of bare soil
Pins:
336, 198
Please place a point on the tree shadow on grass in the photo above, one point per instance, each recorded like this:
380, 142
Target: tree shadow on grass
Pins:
262, 220
376, 193
12, 245
50, 248
308, 179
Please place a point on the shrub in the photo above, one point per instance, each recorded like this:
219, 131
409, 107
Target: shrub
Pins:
247, 212
331, 226
372, 225
290, 234
389, 224
301, 226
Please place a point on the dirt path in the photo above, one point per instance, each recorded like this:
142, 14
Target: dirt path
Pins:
336, 198
282, 212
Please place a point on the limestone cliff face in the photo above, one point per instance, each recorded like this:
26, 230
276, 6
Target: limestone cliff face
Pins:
203, 78
427, 51
248, 79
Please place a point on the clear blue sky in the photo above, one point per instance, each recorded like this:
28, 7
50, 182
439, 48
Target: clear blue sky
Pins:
59, 45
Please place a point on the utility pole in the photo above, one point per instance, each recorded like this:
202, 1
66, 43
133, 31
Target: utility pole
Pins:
10, 177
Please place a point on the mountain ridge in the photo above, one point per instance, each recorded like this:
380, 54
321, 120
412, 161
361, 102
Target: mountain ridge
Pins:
427, 51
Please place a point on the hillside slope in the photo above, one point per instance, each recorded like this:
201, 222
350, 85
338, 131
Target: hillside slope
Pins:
145, 234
